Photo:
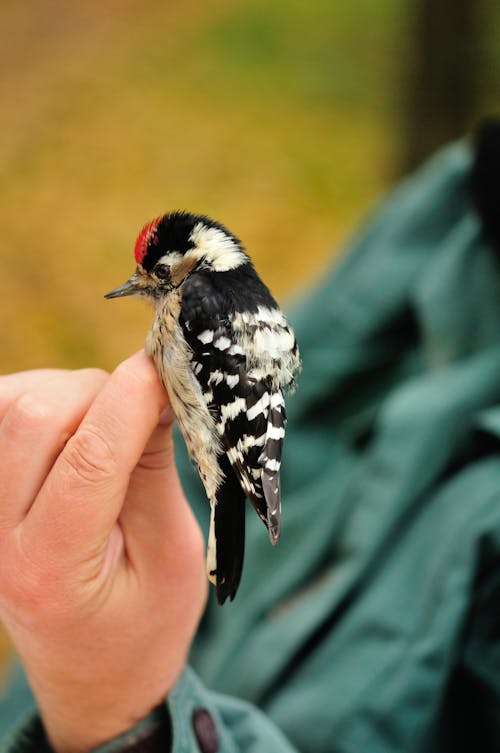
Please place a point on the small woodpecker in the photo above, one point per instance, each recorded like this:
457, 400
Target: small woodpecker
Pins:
225, 352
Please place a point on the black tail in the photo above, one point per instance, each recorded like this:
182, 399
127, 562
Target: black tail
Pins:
229, 533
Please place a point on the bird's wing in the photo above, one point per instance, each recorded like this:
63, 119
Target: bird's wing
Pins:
247, 406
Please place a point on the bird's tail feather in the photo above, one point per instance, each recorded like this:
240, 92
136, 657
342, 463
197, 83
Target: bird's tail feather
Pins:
226, 544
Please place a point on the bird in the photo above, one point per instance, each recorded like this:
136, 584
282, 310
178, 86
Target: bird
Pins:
226, 355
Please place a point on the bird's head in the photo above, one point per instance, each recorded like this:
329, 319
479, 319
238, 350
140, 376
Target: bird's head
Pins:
171, 248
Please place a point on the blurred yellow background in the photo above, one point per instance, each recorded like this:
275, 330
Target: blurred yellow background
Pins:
284, 120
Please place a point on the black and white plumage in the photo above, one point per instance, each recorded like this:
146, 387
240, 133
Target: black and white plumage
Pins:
225, 353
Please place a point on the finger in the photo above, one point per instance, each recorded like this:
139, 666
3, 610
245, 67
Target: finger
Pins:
154, 490
34, 430
13, 386
158, 454
83, 495
162, 537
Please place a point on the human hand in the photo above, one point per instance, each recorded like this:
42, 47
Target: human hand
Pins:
102, 578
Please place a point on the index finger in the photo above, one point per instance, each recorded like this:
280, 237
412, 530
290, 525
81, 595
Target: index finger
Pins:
12, 386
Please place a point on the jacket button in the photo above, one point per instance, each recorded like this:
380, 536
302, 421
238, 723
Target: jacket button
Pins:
205, 731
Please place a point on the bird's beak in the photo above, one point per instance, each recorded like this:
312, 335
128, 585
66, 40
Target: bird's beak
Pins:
130, 287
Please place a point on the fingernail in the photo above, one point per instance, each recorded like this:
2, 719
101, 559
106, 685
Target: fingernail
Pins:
166, 416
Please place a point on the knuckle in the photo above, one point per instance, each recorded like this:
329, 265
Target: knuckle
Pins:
27, 412
156, 460
29, 593
94, 374
30, 406
88, 457
159, 454
26, 584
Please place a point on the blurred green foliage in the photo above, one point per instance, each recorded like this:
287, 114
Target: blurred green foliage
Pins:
279, 119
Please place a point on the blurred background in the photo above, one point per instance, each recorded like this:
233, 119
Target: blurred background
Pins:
285, 120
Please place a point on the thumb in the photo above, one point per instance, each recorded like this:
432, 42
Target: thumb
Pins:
83, 494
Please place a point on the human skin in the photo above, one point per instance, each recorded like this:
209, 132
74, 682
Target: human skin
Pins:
102, 578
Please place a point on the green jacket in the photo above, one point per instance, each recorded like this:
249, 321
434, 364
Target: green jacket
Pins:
374, 625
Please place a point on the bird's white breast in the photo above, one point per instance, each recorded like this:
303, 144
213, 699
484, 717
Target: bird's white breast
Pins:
171, 354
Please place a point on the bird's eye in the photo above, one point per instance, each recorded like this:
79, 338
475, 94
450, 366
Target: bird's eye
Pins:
162, 271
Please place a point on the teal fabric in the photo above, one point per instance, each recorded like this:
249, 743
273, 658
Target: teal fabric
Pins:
356, 632
374, 625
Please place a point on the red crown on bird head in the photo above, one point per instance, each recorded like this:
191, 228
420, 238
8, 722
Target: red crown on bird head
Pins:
145, 237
